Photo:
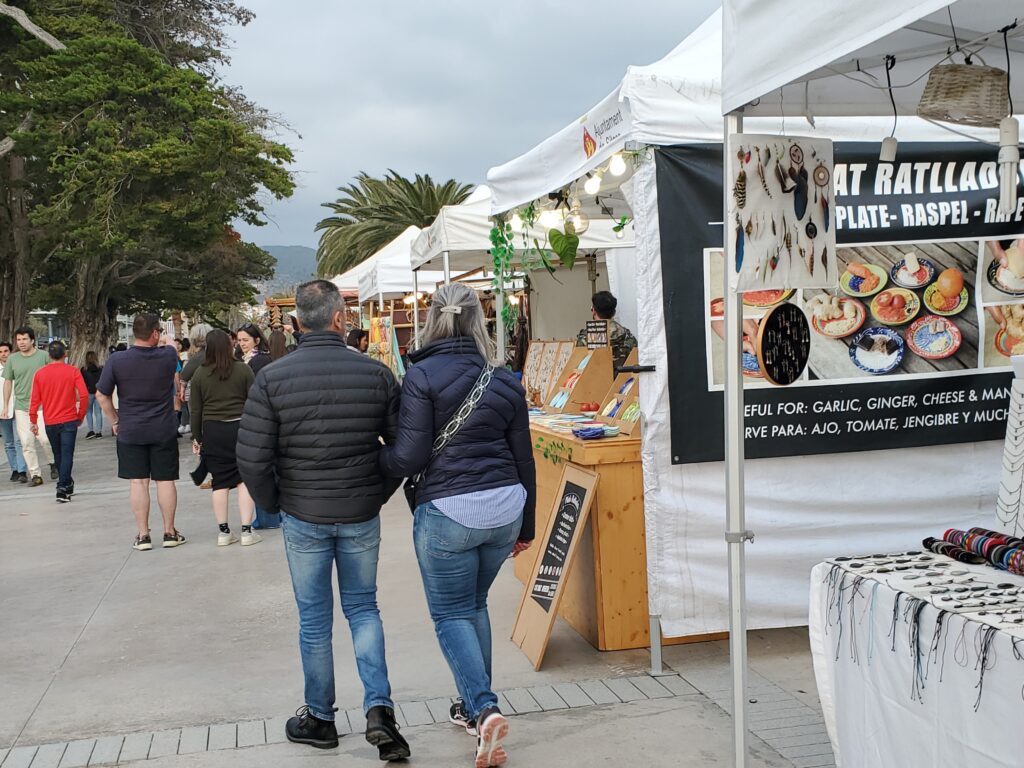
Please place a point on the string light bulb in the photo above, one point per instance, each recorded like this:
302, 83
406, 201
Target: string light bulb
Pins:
516, 222
617, 165
550, 219
592, 185
577, 219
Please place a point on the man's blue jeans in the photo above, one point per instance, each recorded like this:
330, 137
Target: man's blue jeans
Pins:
12, 446
458, 566
313, 551
62, 440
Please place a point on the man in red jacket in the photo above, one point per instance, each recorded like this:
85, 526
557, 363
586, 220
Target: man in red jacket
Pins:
60, 390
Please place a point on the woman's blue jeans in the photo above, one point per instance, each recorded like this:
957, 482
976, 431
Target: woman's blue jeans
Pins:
458, 566
94, 415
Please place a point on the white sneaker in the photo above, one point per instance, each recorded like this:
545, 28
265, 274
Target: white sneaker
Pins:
250, 537
226, 539
492, 730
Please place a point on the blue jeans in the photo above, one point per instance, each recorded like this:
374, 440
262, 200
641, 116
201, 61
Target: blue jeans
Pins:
12, 446
94, 415
62, 440
313, 550
458, 566
266, 518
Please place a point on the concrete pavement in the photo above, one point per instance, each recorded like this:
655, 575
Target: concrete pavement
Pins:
98, 640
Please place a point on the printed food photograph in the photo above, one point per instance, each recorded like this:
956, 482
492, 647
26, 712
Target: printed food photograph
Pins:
754, 302
1003, 270
1004, 334
898, 309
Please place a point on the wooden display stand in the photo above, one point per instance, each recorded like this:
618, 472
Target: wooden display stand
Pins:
605, 591
592, 384
624, 392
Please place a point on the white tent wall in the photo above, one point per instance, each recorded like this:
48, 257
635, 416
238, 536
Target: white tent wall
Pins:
620, 268
558, 310
803, 509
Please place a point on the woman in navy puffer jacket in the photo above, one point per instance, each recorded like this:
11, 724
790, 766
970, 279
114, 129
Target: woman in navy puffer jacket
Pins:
475, 501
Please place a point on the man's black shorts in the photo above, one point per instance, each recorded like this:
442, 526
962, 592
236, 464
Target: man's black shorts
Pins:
153, 461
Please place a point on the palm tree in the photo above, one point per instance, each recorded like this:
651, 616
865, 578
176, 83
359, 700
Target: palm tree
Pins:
372, 212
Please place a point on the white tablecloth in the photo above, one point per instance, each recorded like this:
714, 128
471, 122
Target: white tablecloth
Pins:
882, 713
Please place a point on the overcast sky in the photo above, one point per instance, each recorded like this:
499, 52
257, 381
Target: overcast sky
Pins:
449, 87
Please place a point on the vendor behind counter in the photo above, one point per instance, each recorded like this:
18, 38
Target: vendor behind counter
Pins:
620, 338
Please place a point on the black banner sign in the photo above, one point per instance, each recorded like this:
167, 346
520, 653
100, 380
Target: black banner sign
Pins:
556, 548
936, 192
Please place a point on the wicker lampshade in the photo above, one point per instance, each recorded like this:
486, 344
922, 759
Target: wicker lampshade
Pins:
965, 94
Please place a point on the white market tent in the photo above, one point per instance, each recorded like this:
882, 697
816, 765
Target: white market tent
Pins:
803, 501
837, 67
459, 241
387, 274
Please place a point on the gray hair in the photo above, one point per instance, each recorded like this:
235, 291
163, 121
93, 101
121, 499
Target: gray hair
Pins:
197, 335
315, 304
456, 311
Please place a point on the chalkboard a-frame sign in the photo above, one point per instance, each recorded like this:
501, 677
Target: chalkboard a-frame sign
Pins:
539, 605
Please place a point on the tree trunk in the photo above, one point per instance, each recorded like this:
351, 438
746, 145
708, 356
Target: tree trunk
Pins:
93, 331
15, 251
94, 319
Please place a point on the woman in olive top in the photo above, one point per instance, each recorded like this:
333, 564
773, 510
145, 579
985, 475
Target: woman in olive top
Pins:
219, 389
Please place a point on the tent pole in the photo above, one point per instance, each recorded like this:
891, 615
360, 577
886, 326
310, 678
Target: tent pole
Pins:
415, 310
447, 268
657, 667
735, 531
499, 327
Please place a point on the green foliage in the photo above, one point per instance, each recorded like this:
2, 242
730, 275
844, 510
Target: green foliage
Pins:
372, 212
565, 244
138, 170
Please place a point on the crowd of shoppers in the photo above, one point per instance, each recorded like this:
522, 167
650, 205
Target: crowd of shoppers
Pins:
316, 438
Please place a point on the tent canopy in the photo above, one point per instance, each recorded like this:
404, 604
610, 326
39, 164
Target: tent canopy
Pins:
831, 55
464, 231
387, 272
677, 100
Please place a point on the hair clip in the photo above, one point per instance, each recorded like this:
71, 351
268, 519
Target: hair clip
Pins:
452, 309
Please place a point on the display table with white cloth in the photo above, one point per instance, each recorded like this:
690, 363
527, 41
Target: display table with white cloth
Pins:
908, 679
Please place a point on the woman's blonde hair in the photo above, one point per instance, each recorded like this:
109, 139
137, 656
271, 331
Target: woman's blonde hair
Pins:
456, 311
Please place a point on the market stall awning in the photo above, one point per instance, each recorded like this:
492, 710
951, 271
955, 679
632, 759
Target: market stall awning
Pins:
387, 273
464, 232
676, 100
797, 58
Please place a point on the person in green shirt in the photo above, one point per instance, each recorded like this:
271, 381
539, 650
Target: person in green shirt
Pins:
18, 374
219, 391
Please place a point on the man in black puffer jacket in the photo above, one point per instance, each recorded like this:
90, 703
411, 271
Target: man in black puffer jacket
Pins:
308, 444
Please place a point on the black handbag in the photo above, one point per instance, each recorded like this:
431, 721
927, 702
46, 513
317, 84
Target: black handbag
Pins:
451, 429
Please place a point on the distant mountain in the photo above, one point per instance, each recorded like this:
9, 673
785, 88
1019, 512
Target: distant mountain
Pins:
295, 264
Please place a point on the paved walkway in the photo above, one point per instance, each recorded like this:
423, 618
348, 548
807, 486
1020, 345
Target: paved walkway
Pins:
189, 657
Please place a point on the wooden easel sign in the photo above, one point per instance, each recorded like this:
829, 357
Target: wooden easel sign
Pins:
539, 605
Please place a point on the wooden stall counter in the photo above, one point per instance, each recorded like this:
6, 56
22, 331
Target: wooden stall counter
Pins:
605, 597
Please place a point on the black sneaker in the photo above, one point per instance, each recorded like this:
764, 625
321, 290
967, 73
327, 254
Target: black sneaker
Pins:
15, 476
97, 436
173, 539
143, 543
70, 490
36, 481
305, 728
382, 732
23, 477
90, 435
54, 474
457, 715
493, 727
63, 497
